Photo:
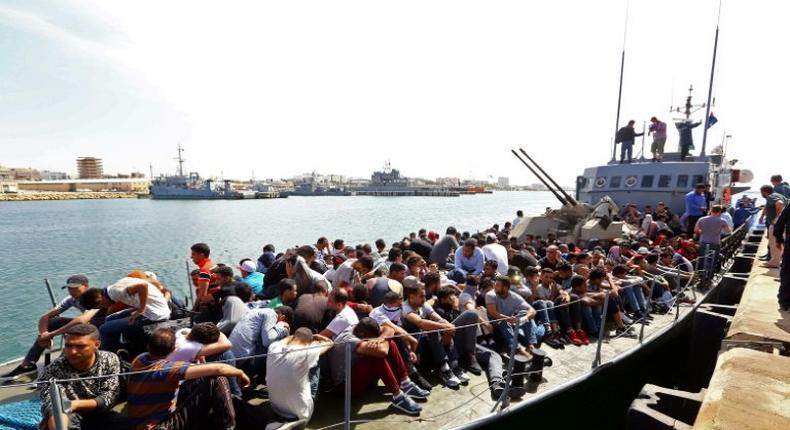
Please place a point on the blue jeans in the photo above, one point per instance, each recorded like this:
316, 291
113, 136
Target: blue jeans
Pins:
592, 318
634, 299
545, 311
527, 334
227, 357
626, 149
709, 263
118, 324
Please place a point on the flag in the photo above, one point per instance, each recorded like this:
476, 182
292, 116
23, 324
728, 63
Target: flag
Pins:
712, 120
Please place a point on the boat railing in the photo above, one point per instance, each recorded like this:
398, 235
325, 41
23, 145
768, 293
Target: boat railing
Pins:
729, 248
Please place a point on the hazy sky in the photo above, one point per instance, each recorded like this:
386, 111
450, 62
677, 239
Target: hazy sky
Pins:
440, 88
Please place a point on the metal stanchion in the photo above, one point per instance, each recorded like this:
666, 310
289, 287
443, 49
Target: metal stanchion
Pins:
57, 405
190, 288
347, 405
642, 330
504, 399
677, 305
597, 360
51, 293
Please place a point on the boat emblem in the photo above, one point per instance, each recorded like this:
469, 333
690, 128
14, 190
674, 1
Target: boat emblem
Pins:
600, 182
630, 181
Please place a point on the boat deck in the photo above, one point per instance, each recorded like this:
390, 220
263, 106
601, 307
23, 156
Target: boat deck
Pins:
750, 388
446, 408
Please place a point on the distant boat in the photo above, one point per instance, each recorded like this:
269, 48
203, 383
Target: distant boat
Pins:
192, 186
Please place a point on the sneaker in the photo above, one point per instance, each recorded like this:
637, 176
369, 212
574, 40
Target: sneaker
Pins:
582, 336
406, 404
412, 390
20, 371
459, 373
497, 389
625, 331
574, 338
449, 379
471, 365
420, 381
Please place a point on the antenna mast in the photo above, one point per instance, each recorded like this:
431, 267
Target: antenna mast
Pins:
620, 91
180, 161
710, 84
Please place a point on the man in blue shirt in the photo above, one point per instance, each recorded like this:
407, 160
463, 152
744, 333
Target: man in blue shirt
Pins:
780, 186
468, 261
696, 203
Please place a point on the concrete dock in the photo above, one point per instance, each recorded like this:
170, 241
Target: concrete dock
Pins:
750, 387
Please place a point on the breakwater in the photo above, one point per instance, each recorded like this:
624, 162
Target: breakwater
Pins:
86, 195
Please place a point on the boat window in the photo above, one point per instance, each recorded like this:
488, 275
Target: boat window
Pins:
664, 181
615, 181
683, 181
698, 179
647, 181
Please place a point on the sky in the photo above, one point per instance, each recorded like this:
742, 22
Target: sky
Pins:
438, 88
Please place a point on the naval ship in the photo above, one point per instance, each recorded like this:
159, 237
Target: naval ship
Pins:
192, 186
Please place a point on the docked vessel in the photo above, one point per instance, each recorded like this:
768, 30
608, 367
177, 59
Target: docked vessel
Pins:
310, 189
388, 182
193, 187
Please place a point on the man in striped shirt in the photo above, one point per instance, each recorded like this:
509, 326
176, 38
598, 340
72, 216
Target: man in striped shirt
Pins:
152, 394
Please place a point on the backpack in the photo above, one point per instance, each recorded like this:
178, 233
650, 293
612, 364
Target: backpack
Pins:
618, 137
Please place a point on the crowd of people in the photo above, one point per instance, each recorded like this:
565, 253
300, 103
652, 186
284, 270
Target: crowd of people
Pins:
428, 308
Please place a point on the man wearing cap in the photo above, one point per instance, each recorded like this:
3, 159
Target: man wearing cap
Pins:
51, 324
251, 276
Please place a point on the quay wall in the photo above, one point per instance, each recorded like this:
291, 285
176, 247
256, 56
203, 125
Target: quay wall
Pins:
87, 195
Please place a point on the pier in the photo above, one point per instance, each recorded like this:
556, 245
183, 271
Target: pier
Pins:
409, 193
750, 387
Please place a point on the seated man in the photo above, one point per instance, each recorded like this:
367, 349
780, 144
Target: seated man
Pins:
374, 358
152, 392
553, 306
344, 315
514, 318
468, 261
148, 305
630, 291
91, 399
436, 349
291, 379
234, 302
286, 295
448, 307
389, 316
253, 334
51, 324
251, 277
597, 284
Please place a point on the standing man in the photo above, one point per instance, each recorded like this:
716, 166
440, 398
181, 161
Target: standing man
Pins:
659, 131
696, 204
710, 229
686, 139
780, 186
774, 205
625, 136
95, 388
781, 233
443, 248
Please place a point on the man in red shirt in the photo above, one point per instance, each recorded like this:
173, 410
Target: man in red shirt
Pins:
205, 276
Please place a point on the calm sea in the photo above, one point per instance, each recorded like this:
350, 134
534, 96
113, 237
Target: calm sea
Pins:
107, 238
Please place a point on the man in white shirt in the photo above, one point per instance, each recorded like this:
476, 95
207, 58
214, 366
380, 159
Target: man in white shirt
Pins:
291, 381
494, 251
148, 305
344, 316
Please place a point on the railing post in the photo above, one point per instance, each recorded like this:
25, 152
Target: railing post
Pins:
57, 405
504, 399
51, 293
642, 330
677, 305
190, 288
347, 403
597, 360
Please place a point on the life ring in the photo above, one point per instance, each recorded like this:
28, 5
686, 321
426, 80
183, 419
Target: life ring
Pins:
727, 198
630, 181
600, 182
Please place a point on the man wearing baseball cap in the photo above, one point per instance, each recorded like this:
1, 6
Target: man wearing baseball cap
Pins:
51, 324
